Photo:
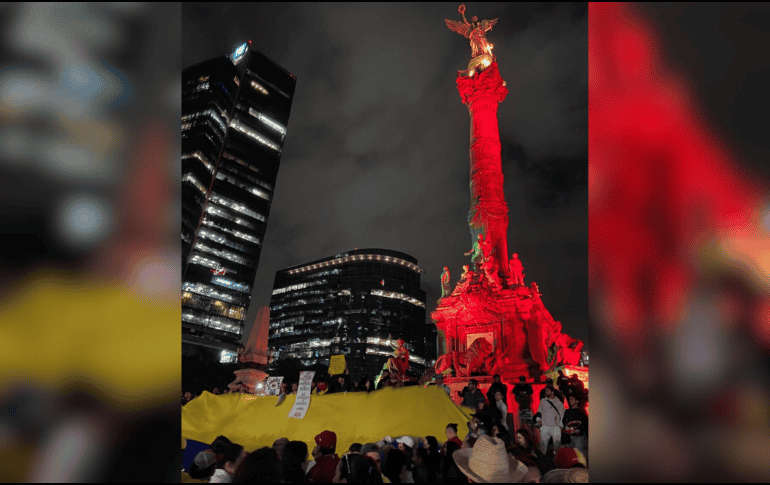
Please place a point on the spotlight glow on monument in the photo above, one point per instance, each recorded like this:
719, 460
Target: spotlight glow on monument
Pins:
492, 322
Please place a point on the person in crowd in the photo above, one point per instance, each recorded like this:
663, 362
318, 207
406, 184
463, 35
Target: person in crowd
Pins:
433, 450
488, 416
421, 471
525, 451
533, 475
440, 384
372, 451
279, 445
551, 412
261, 466
451, 436
355, 468
393, 381
502, 410
187, 398
406, 445
497, 386
368, 386
384, 380
232, 457
218, 442
562, 382
488, 462
316, 454
549, 419
219, 446
294, 462
449, 471
284, 388
215, 391
341, 383
226, 391
570, 467
386, 444
522, 393
322, 385
575, 423
394, 467
577, 387
473, 395
372, 448
355, 448
430, 443
362, 380
203, 466
556, 392
468, 442
326, 462
476, 426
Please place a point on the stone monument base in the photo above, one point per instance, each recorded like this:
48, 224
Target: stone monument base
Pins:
250, 378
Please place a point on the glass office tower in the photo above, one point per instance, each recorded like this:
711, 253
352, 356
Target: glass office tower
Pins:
349, 304
235, 110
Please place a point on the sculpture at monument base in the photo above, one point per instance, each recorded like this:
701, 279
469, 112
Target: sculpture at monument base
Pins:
446, 283
479, 358
566, 348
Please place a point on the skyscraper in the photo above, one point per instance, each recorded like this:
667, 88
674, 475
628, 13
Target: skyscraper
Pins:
349, 304
235, 110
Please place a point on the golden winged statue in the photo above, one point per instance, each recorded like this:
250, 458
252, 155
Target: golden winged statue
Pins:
474, 30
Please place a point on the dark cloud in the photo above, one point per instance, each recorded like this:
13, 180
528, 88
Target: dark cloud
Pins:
376, 153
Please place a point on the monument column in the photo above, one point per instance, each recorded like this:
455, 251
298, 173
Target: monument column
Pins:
481, 92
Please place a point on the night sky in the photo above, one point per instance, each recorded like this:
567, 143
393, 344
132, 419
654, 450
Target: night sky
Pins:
376, 152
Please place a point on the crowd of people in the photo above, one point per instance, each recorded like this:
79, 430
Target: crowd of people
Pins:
407, 459
323, 384
492, 450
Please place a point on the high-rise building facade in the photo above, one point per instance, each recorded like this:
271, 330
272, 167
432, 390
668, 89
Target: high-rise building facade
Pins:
349, 304
235, 110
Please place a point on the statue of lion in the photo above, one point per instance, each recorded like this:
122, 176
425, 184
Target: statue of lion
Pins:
476, 359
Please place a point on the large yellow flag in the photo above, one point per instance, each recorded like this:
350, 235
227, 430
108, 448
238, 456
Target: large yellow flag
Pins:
356, 417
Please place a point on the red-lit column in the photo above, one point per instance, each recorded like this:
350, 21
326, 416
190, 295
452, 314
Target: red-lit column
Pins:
481, 93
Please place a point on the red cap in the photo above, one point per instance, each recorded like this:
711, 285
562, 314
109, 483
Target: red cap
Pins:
568, 457
326, 439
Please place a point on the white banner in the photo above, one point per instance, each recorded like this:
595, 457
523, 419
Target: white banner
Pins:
302, 402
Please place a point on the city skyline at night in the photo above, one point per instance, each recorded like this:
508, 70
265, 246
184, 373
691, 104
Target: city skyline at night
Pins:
377, 155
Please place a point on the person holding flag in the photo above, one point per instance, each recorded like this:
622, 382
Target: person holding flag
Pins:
398, 364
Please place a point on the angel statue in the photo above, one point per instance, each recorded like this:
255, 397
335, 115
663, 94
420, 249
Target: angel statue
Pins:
474, 30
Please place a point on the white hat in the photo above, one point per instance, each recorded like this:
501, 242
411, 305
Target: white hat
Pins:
488, 462
407, 440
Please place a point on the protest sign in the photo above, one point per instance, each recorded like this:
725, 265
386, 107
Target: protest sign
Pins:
274, 385
337, 364
302, 401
